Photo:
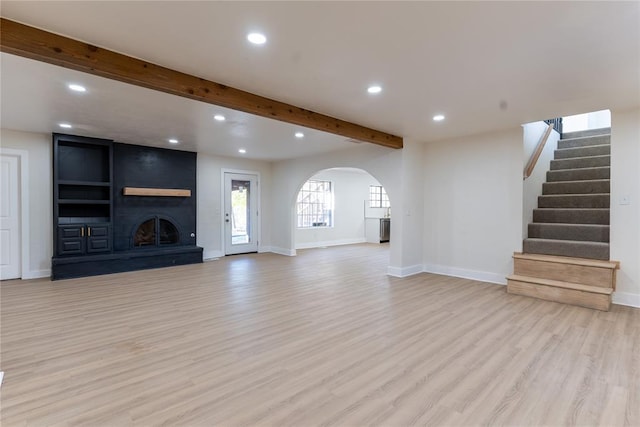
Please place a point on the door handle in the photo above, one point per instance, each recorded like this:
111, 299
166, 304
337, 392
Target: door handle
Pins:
88, 231
81, 231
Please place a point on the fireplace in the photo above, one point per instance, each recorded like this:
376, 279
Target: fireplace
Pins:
156, 231
152, 210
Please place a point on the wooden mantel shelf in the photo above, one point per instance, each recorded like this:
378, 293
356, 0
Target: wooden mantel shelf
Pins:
163, 192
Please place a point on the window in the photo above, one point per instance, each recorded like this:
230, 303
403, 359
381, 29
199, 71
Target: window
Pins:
315, 204
378, 197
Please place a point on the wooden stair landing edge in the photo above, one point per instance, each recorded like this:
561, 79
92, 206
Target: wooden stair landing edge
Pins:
578, 281
561, 284
598, 301
614, 265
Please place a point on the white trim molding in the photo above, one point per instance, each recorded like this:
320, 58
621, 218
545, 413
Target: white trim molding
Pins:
37, 274
282, 251
23, 162
626, 298
310, 245
208, 255
481, 276
404, 271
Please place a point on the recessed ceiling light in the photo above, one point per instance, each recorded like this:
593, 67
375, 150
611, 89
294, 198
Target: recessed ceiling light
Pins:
257, 38
299, 135
219, 117
65, 125
77, 88
374, 89
242, 151
438, 118
173, 141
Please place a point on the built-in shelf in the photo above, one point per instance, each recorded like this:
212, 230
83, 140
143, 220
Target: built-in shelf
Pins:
87, 183
82, 197
162, 192
83, 202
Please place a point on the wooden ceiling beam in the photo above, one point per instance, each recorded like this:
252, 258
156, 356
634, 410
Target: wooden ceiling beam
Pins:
33, 43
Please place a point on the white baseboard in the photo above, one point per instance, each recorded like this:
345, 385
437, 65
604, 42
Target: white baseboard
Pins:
482, 276
36, 274
626, 298
338, 242
209, 255
283, 251
404, 271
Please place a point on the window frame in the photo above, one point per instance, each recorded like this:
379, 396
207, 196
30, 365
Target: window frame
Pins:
378, 197
318, 197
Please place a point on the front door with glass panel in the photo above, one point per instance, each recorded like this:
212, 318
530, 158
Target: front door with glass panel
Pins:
240, 213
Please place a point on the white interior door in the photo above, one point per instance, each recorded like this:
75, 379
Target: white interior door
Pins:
10, 260
240, 213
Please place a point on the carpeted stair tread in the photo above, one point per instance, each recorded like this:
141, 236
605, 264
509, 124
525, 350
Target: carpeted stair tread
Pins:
574, 201
572, 248
562, 231
591, 150
583, 141
581, 162
590, 132
571, 216
592, 186
599, 172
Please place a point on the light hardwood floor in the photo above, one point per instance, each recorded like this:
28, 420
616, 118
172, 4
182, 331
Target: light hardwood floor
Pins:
325, 338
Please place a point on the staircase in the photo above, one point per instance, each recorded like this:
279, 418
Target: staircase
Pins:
566, 256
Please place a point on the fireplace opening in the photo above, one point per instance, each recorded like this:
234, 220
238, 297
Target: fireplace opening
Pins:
156, 232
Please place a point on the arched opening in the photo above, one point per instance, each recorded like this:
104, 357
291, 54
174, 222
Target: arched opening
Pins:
342, 206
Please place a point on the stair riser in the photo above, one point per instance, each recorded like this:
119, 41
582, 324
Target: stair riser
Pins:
581, 274
574, 201
582, 162
583, 141
571, 216
583, 233
565, 296
577, 187
590, 132
579, 174
596, 150
588, 250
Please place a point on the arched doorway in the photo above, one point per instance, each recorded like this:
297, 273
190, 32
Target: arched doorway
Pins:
341, 206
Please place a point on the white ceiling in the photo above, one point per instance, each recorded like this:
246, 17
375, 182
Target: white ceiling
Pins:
463, 59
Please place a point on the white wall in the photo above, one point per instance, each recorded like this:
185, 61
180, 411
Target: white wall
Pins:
351, 195
39, 148
209, 226
594, 120
532, 186
625, 218
473, 205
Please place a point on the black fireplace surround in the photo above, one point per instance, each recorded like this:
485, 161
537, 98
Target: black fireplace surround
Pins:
148, 231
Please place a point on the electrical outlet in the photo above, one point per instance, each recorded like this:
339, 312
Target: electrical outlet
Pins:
625, 200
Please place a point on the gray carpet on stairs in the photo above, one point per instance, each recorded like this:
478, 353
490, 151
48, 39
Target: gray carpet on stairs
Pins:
601, 172
592, 186
572, 218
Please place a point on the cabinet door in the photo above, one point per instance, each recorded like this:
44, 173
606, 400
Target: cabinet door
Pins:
98, 238
71, 240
